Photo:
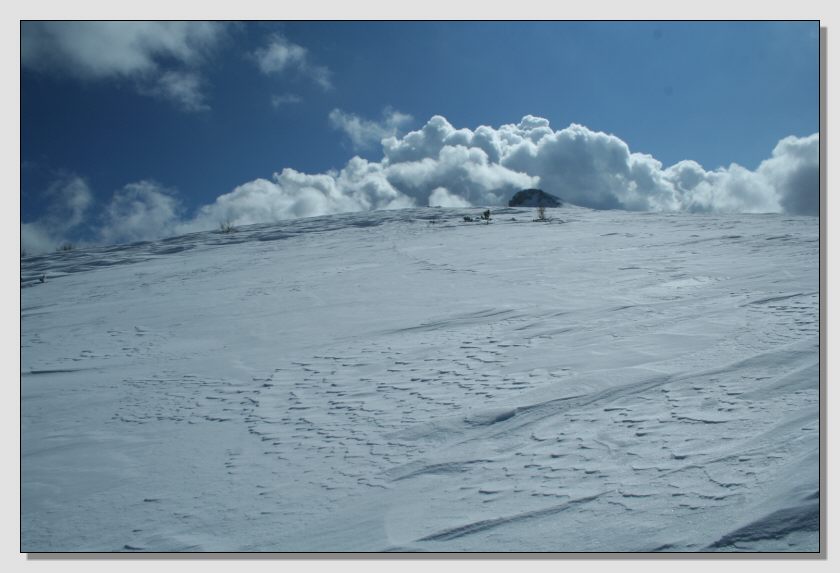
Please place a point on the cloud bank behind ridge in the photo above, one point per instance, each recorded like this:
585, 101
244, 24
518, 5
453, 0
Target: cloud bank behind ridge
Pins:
441, 165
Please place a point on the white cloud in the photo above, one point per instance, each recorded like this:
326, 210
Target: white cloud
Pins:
280, 56
162, 58
73, 199
69, 201
786, 182
363, 133
360, 186
464, 171
457, 175
793, 170
426, 142
182, 88
36, 239
597, 170
141, 211
440, 165
279, 100
441, 197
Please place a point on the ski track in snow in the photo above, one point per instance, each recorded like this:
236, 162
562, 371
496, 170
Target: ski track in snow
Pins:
406, 381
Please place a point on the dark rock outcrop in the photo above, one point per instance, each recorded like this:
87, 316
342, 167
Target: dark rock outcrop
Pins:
534, 198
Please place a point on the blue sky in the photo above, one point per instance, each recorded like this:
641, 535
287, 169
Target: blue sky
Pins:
202, 112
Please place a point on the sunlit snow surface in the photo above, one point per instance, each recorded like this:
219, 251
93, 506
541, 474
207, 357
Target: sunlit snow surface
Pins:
408, 381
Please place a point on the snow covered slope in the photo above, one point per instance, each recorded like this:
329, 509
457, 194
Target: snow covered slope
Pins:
408, 381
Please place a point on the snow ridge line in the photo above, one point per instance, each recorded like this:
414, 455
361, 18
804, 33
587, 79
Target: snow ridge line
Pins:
440, 468
776, 525
534, 412
778, 298
484, 525
458, 320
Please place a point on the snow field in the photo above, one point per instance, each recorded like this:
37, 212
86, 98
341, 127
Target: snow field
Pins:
407, 381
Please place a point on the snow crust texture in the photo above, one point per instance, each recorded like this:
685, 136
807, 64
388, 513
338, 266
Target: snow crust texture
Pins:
407, 381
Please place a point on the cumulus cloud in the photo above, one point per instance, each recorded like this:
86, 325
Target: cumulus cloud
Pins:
447, 174
793, 170
280, 56
464, 171
360, 186
598, 170
69, 200
441, 197
363, 133
440, 165
162, 58
786, 182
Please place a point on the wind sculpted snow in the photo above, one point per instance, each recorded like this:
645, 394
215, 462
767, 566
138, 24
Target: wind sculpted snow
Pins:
408, 381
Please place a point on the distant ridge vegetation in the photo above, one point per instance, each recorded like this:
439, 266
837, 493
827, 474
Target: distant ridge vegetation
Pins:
534, 198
